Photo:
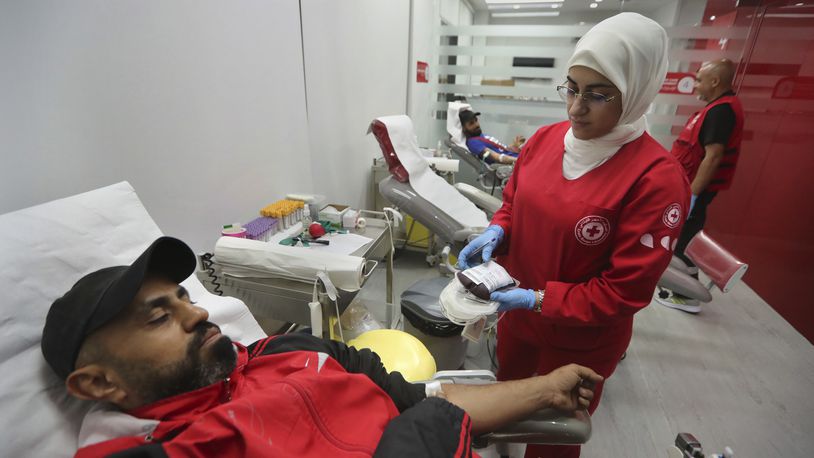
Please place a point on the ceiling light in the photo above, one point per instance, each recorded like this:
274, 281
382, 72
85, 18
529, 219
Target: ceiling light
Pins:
528, 14
503, 2
594, 5
527, 6
712, 18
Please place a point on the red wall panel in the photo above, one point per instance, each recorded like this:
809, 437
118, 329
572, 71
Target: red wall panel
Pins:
767, 217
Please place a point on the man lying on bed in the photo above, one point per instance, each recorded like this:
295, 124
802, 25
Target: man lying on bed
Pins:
130, 336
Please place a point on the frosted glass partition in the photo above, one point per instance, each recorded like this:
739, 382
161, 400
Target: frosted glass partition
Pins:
515, 99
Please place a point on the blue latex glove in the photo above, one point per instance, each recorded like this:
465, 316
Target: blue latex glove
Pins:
488, 241
693, 198
516, 298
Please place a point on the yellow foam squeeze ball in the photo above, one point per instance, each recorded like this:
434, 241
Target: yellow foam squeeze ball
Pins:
399, 352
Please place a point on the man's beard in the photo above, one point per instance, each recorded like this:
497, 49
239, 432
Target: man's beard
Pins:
149, 383
474, 133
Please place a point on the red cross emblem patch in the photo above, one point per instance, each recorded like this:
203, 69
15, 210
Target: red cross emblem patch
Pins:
672, 215
592, 230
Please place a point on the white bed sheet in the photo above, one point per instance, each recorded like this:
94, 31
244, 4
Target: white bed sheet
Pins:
45, 249
424, 181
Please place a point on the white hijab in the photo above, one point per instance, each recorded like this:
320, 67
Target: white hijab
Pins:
631, 51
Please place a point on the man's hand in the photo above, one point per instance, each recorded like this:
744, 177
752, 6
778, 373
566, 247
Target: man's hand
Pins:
572, 387
518, 142
493, 405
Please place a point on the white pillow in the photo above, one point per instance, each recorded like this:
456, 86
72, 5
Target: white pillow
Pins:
44, 251
454, 128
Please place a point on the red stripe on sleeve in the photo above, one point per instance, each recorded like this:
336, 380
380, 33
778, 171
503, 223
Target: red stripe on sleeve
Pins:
261, 346
465, 438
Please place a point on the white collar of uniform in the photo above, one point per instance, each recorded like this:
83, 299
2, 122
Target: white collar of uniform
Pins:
582, 156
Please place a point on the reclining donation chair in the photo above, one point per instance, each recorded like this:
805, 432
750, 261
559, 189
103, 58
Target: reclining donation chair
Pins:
490, 176
485, 201
721, 266
414, 188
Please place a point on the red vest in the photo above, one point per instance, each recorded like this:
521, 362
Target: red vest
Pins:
690, 152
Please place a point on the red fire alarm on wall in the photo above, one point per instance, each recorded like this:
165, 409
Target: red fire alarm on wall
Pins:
422, 72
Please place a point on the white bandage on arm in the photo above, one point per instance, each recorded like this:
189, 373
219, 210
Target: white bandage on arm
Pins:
433, 389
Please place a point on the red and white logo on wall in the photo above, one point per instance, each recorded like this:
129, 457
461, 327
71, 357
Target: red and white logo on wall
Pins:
678, 83
592, 230
422, 73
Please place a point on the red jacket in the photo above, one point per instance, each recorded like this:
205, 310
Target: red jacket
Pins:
597, 245
690, 152
298, 396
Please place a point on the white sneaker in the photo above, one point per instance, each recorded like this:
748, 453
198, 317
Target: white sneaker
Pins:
680, 302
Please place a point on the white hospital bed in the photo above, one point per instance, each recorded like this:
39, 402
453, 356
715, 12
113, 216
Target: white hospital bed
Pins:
45, 249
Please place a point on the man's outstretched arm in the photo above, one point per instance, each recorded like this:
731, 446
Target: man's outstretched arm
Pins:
492, 406
499, 158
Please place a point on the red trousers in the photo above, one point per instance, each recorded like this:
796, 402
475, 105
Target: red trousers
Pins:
528, 345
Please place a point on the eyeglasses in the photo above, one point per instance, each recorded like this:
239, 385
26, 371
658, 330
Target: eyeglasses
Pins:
592, 98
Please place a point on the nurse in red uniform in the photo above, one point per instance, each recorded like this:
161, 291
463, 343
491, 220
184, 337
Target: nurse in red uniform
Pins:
590, 216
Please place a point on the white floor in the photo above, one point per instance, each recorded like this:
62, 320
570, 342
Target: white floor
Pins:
737, 375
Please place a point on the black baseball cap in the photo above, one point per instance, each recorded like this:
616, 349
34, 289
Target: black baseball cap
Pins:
467, 115
99, 296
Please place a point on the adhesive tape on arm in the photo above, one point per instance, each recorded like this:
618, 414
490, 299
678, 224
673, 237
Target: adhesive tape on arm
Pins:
361, 223
433, 389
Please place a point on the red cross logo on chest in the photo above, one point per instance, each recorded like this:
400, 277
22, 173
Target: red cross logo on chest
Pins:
592, 230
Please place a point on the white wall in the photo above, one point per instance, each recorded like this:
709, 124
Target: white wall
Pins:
691, 12
451, 11
464, 18
666, 13
425, 17
198, 103
356, 70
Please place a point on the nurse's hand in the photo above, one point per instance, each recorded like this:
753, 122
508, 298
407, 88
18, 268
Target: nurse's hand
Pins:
516, 298
484, 243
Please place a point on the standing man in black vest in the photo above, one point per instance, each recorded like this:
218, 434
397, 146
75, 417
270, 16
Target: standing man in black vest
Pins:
708, 149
